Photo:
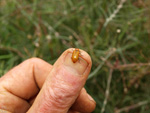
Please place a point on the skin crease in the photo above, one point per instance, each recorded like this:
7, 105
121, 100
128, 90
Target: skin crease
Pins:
21, 85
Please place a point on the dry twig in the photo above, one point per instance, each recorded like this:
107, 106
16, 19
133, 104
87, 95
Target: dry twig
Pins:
132, 65
128, 108
113, 15
126, 66
107, 90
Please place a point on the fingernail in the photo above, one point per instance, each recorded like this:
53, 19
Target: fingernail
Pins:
77, 68
90, 98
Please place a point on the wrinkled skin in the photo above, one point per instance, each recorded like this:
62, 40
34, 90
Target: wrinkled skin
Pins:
35, 86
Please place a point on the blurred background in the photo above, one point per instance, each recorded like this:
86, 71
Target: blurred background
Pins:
116, 34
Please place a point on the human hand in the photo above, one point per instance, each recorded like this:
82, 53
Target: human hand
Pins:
35, 86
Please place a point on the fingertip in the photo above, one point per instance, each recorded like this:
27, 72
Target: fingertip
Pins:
83, 64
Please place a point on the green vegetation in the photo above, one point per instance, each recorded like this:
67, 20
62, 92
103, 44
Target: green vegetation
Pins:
116, 33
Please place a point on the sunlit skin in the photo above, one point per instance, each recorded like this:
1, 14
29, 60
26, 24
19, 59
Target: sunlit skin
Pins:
75, 55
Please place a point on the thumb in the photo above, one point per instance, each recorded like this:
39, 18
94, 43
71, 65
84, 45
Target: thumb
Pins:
63, 84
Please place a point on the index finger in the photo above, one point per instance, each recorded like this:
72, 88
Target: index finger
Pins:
22, 83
